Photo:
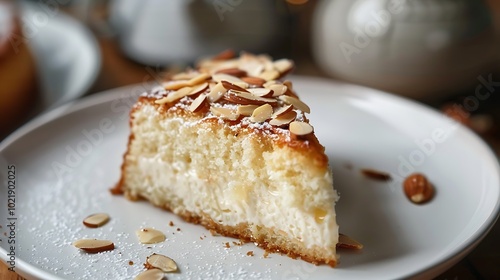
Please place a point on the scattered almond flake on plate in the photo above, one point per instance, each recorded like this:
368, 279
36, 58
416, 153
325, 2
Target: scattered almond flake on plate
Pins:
150, 236
151, 274
161, 262
96, 220
348, 243
94, 245
376, 175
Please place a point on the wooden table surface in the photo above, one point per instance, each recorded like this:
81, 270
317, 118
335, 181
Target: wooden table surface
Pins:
482, 263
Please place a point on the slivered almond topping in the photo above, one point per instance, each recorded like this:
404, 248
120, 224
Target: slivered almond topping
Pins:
96, 220
278, 89
224, 55
268, 84
199, 88
269, 75
262, 113
225, 113
175, 85
246, 98
232, 71
348, 243
246, 110
216, 92
300, 128
150, 236
230, 86
185, 76
94, 245
282, 111
262, 92
161, 262
151, 274
253, 68
230, 79
284, 119
198, 103
254, 81
283, 65
173, 96
268, 64
296, 103
199, 79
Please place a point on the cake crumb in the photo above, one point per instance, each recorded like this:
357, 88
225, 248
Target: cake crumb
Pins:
250, 253
130, 263
266, 254
178, 229
149, 247
348, 166
227, 245
171, 224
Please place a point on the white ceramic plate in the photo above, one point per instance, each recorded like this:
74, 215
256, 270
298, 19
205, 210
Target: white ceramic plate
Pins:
365, 128
66, 53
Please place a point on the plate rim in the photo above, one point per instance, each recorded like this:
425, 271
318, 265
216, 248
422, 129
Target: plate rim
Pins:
454, 256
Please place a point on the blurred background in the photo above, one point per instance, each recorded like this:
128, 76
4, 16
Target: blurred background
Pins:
442, 53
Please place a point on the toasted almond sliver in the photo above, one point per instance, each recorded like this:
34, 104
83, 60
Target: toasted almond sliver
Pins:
94, 245
348, 243
198, 103
269, 75
229, 78
252, 67
230, 86
151, 274
96, 220
300, 128
268, 84
199, 88
262, 113
150, 236
284, 119
262, 92
282, 111
246, 110
173, 96
296, 103
278, 89
254, 81
224, 55
288, 84
232, 71
216, 92
161, 262
175, 85
224, 113
283, 65
185, 76
198, 79
246, 98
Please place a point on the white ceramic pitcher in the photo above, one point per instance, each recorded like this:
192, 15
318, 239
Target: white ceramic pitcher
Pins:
417, 48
